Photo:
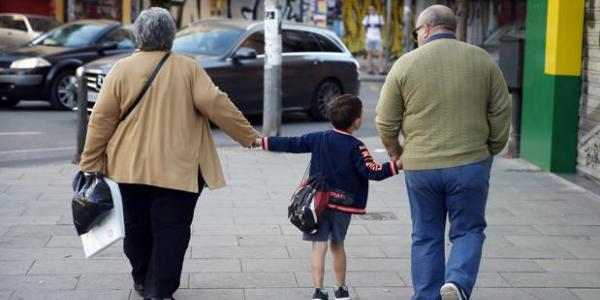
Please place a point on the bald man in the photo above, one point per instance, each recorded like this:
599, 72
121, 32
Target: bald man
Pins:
450, 102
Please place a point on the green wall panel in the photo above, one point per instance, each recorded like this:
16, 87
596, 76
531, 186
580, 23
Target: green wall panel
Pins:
538, 107
550, 103
566, 118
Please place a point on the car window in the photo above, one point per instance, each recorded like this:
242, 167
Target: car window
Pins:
213, 41
71, 35
13, 22
42, 24
121, 36
298, 41
326, 44
255, 41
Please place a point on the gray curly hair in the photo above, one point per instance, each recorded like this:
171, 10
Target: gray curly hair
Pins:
154, 30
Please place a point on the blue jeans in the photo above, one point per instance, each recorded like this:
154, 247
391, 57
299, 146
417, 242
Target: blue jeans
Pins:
459, 193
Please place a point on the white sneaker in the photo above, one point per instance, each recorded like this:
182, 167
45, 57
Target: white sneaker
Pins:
450, 291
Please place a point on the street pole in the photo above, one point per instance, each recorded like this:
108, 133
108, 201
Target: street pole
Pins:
71, 10
388, 29
272, 69
408, 43
82, 118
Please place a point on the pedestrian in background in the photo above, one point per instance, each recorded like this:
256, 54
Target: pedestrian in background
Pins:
163, 153
373, 22
451, 103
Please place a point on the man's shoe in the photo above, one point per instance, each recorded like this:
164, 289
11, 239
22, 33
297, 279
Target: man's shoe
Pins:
451, 291
341, 293
320, 294
139, 289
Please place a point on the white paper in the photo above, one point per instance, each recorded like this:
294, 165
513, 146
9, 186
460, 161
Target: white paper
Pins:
110, 230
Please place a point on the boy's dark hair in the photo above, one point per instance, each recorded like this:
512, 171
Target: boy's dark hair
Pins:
344, 110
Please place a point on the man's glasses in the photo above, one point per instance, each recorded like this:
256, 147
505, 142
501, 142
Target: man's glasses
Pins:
415, 33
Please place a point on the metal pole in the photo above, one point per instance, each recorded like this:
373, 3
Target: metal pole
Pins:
71, 10
82, 117
514, 141
388, 29
272, 69
408, 25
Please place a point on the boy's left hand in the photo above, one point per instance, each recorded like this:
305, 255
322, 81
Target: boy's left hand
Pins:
398, 163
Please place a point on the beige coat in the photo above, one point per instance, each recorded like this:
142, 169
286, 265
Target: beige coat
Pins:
167, 137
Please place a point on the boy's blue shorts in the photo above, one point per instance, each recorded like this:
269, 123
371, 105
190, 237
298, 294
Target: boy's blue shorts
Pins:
333, 228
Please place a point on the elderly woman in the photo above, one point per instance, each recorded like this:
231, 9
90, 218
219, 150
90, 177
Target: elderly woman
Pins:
161, 153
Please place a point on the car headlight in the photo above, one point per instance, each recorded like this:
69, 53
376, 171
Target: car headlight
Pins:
79, 72
29, 63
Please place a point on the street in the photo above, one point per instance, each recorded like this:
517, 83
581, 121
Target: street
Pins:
33, 133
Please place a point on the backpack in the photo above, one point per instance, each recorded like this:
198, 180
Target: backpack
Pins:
308, 204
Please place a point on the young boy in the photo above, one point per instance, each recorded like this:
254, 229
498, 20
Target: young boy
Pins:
347, 166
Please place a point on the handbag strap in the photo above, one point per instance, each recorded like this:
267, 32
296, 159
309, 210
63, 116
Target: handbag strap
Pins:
146, 86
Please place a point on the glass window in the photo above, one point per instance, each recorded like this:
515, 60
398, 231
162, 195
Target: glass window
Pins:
42, 24
71, 35
326, 44
121, 36
299, 41
213, 41
13, 22
255, 41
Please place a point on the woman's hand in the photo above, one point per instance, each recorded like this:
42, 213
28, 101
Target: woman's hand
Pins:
257, 143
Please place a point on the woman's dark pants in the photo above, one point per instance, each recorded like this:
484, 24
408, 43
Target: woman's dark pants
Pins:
157, 234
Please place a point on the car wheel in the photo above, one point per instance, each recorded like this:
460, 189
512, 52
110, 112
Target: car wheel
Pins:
326, 91
8, 103
63, 94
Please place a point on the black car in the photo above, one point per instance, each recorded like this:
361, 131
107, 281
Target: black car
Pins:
45, 69
316, 66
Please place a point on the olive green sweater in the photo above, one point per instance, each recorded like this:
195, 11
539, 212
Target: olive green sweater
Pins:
450, 101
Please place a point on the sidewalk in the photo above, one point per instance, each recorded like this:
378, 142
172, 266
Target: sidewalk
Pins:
543, 238
364, 75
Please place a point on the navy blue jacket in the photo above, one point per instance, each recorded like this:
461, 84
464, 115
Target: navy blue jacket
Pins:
344, 161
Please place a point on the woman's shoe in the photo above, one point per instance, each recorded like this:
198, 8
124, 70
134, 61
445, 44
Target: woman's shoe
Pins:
139, 289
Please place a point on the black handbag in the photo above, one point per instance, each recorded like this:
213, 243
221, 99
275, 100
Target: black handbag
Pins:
92, 200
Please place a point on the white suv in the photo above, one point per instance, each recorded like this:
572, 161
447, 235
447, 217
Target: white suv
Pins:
17, 29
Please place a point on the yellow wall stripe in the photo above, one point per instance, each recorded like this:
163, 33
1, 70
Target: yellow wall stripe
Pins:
564, 37
126, 11
59, 10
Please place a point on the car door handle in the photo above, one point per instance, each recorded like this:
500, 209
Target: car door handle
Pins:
317, 61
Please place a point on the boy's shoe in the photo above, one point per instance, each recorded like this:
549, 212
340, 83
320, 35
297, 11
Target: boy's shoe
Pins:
341, 293
451, 291
320, 294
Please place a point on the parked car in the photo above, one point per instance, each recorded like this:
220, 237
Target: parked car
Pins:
45, 69
316, 66
18, 29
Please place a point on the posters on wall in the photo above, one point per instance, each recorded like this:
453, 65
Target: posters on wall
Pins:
98, 9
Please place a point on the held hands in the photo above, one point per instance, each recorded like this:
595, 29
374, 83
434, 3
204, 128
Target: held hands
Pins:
257, 143
398, 162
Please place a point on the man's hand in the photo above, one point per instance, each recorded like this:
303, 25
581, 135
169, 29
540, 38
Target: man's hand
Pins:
394, 150
398, 163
